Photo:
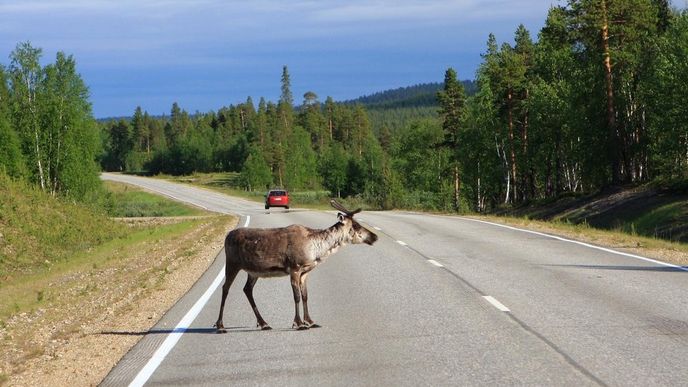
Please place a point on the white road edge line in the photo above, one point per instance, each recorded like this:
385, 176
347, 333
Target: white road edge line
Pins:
171, 340
435, 263
496, 303
402, 243
176, 334
583, 244
377, 228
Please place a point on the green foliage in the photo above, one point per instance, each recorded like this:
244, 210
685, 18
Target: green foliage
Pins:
333, 168
11, 157
48, 109
668, 116
423, 164
300, 161
256, 174
39, 230
118, 147
551, 118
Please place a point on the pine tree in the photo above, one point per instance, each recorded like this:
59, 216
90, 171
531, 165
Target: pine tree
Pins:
286, 101
452, 100
524, 50
620, 32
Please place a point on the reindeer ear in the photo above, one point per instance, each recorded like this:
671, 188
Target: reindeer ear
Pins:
341, 217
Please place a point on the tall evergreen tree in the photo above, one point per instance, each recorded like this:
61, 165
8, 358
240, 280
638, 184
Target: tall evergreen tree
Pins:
286, 101
452, 100
619, 32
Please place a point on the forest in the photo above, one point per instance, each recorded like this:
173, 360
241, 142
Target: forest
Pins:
595, 100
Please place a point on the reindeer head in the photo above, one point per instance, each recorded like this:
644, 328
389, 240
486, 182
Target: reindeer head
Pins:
356, 233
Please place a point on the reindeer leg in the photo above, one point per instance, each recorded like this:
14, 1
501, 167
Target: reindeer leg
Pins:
230, 274
304, 298
248, 290
296, 288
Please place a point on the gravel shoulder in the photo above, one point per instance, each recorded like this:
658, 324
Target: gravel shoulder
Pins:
77, 338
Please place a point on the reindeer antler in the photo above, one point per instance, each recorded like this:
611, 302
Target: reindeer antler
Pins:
341, 208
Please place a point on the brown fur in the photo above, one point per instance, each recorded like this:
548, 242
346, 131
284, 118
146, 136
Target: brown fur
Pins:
294, 251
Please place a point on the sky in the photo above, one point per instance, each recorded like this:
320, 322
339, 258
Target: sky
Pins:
206, 54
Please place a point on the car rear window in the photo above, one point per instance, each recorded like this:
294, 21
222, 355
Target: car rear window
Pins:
278, 193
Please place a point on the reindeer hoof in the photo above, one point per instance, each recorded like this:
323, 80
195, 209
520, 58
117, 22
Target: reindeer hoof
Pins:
266, 328
300, 326
314, 325
220, 327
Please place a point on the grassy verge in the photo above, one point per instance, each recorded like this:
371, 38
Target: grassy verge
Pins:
50, 318
38, 230
28, 292
131, 201
66, 269
227, 182
671, 252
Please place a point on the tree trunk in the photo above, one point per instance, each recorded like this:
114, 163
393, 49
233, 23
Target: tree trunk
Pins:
611, 113
479, 207
457, 186
38, 160
511, 139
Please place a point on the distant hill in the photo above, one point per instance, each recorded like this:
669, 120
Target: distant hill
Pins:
396, 108
417, 96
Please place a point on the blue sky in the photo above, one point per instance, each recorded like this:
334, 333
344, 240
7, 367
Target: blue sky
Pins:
207, 54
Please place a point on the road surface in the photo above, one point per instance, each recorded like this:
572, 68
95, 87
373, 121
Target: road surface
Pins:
438, 300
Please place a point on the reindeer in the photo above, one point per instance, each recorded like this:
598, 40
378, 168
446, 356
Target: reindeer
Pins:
294, 251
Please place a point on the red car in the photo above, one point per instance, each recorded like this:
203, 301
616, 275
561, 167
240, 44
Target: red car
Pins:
277, 198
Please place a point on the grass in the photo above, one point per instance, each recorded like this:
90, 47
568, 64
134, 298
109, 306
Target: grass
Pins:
60, 261
669, 222
42, 237
38, 230
668, 251
95, 290
31, 291
130, 201
228, 183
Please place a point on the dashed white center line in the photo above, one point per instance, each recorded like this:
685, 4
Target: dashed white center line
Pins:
402, 243
496, 303
435, 263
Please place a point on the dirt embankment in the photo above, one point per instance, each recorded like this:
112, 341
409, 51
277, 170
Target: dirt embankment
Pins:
66, 342
649, 211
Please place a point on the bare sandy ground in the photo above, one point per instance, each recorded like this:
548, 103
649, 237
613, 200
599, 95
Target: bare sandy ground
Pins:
74, 340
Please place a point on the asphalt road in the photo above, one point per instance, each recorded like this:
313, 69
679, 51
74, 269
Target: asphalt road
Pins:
438, 300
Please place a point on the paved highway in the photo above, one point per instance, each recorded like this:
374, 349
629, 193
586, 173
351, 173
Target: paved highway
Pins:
438, 300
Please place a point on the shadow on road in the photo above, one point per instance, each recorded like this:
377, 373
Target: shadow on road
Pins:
178, 330
632, 268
